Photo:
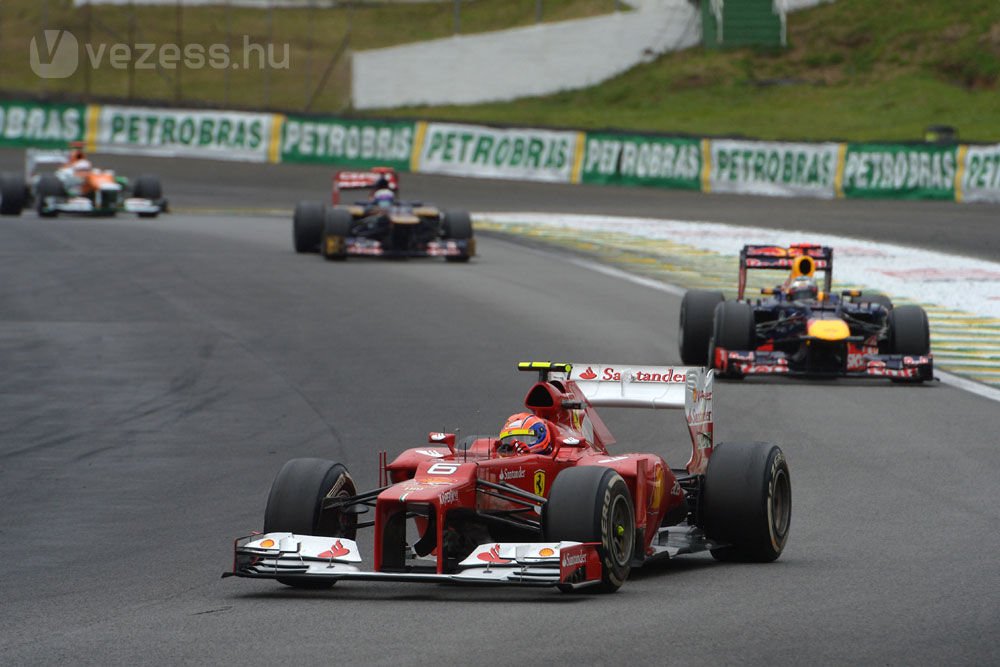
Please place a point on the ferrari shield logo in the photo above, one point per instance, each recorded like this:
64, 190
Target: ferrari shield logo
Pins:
540, 482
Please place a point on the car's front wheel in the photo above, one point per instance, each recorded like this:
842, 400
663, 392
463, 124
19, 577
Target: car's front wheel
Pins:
295, 505
593, 504
697, 313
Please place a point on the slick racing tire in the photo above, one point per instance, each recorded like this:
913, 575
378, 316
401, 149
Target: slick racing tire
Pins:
880, 299
747, 502
592, 504
909, 334
458, 226
295, 505
148, 187
336, 228
697, 313
12, 194
733, 329
49, 186
307, 226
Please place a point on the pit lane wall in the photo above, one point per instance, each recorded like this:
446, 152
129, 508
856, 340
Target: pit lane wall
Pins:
793, 169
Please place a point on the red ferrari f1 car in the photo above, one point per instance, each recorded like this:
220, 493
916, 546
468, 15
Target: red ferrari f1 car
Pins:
800, 329
382, 225
544, 503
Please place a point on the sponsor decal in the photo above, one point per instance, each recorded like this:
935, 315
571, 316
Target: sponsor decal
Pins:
571, 559
338, 550
900, 171
588, 374
350, 142
430, 452
546, 552
448, 497
668, 375
539, 482
509, 474
493, 556
267, 544
40, 125
642, 160
612, 459
773, 168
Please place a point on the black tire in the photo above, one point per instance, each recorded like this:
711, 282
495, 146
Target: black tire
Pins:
295, 503
48, 186
592, 504
880, 299
747, 502
307, 226
458, 226
734, 328
909, 331
148, 187
697, 315
13, 194
336, 228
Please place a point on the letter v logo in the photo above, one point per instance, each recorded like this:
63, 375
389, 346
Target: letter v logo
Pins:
54, 54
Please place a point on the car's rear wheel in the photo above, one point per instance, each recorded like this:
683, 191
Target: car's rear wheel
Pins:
295, 505
458, 226
307, 226
734, 328
746, 503
336, 229
49, 187
697, 314
592, 504
13, 194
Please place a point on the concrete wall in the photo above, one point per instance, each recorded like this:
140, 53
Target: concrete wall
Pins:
520, 62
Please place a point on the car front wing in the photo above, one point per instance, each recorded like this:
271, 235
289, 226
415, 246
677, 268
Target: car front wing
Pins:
773, 362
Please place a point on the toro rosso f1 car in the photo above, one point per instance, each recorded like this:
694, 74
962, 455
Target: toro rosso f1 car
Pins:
57, 182
573, 515
381, 226
800, 329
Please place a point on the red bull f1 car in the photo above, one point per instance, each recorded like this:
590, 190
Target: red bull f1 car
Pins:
573, 515
382, 225
798, 328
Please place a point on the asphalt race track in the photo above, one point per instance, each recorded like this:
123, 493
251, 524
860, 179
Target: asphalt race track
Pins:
155, 374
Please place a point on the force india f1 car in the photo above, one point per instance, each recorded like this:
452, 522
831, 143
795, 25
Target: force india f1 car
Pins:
381, 226
57, 182
575, 516
798, 329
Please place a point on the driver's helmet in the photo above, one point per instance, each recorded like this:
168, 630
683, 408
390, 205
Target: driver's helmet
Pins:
525, 433
802, 289
383, 198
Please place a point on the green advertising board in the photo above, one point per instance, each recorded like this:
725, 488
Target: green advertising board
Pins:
356, 143
900, 171
620, 159
40, 125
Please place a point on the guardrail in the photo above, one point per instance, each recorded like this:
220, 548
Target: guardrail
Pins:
944, 171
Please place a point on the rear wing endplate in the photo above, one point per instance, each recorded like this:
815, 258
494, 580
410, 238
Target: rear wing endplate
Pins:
778, 258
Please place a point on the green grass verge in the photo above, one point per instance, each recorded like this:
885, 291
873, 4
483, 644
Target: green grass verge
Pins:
313, 36
855, 70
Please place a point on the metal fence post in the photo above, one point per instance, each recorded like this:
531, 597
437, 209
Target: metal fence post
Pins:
538, 11
458, 16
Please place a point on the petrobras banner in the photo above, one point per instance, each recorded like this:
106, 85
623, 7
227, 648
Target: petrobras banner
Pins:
219, 135
624, 159
490, 152
980, 170
355, 143
900, 171
771, 168
41, 125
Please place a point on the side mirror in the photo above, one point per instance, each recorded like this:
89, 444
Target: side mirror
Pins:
442, 439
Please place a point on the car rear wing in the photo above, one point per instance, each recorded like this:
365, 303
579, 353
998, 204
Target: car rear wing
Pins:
799, 258
35, 156
376, 177
617, 386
